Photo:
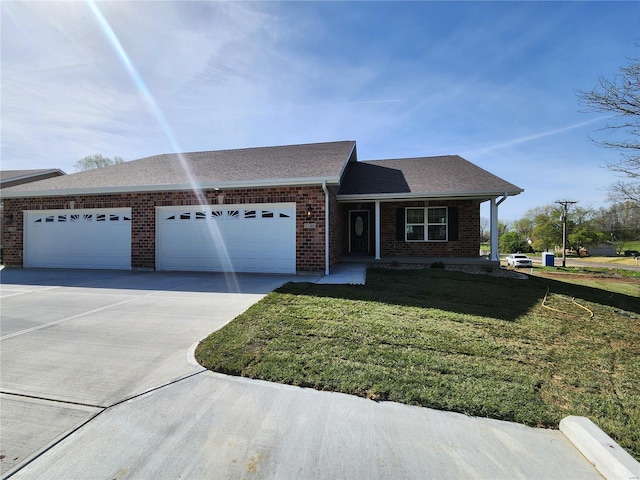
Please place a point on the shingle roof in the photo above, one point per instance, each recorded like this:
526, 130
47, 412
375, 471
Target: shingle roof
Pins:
289, 164
284, 165
449, 175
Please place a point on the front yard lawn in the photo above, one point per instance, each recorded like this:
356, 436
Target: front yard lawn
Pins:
475, 344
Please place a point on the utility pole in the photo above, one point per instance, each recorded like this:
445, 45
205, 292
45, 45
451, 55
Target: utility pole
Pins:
565, 204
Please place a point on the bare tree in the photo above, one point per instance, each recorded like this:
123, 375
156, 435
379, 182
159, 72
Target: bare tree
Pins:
96, 161
620, 96
484, 229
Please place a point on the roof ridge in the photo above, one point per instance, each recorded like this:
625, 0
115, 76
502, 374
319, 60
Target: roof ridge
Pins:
244, 149
453, 155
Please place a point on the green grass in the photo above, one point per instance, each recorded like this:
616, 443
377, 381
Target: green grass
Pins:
606, 279
612, 261
474, 344
629, 289
634, 245
610, 272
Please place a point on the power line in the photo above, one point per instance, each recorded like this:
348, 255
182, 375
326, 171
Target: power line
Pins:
565, 204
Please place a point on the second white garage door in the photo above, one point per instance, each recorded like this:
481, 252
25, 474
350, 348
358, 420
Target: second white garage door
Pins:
230, 238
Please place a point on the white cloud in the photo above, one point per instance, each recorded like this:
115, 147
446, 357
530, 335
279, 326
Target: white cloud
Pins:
66, 94
501, 144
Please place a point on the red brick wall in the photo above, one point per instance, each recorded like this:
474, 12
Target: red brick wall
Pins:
309, 231
336, 232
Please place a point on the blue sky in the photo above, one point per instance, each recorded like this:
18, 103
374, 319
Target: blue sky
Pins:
493, 82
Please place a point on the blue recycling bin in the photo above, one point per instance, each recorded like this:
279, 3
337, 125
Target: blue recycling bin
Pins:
548, 259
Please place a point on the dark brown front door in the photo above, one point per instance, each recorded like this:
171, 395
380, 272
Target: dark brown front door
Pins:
359, 231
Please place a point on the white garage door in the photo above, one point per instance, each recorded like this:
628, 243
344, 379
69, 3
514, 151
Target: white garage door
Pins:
229, 238
80, 238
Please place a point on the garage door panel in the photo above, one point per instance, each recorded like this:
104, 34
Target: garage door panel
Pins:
260, 250
282, 252
194, 263
233, 230
87, 260
241, 238
85, 238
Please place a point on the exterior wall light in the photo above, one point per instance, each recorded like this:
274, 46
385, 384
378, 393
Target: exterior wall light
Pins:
309, 210
219, 195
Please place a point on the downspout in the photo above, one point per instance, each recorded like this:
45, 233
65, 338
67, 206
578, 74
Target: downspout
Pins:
326, 227
377, 232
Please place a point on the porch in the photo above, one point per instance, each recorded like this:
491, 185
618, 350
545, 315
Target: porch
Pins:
371, 261
441, 230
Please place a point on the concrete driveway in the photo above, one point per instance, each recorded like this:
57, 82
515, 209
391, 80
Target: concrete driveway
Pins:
98, 381
74, 343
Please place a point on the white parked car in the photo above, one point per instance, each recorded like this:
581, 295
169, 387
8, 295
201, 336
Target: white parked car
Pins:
518, 260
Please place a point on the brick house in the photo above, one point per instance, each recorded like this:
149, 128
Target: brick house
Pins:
281, 209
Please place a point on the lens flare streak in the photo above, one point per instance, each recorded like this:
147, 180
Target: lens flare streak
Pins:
145, 92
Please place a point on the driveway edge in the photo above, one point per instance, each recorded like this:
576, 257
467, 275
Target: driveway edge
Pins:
609, 458
38, 453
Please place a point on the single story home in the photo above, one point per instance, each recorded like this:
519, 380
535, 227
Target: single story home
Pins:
284, 209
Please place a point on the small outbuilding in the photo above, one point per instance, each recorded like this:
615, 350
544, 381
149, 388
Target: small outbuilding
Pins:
604, 249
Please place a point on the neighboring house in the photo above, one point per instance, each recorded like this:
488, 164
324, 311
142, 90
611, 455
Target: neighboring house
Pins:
10, 178
279, 209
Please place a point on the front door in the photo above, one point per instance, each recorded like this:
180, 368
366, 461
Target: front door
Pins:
359, 231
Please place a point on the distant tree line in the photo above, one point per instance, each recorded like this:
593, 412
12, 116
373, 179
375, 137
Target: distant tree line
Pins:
540, 229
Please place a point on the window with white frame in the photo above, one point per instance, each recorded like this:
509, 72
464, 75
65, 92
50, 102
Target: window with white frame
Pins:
426, 224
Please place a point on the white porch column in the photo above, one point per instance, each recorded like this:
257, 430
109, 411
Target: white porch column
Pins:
377, 236
495, 254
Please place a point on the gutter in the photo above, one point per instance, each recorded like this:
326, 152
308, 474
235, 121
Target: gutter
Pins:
326, 227
423, 195
63, 192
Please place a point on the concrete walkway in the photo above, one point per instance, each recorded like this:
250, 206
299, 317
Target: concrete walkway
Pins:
340, 274
213, 426
74, 343
99, 381
345, 274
